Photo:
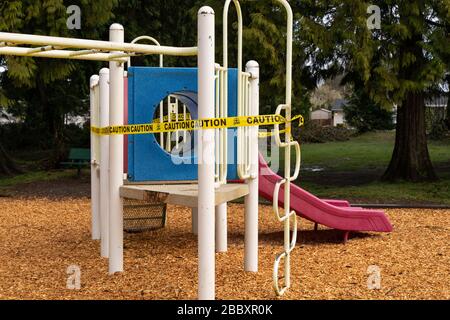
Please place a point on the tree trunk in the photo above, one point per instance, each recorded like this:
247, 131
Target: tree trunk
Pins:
410, 159
54, 126
7, 165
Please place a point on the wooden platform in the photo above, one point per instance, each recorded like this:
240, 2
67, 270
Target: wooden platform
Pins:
181, 194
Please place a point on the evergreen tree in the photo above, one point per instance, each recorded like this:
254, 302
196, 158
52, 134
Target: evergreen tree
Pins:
365, 115
49, 89
396, 63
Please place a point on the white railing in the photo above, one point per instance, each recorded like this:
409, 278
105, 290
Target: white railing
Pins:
244, 137
171, 109
244, 96
221, 111
156, 42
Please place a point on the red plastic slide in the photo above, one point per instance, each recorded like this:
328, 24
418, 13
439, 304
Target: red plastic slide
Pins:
331, 213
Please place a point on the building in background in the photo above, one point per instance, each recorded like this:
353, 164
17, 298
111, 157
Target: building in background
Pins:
435, 111
438, 102
337, 109
334, 117
322, 117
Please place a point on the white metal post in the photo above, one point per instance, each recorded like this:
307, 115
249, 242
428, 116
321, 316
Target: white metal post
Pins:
195, 221
116, 91
95, 159
221, 228
206, 166
104, 163
252, 199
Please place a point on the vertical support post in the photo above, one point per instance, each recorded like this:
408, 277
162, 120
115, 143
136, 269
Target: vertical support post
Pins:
95, 159
206, 166
104, 163
116, 92
252, 199
195, 221
221, 228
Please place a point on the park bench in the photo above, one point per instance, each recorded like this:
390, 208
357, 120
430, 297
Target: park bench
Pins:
78, 158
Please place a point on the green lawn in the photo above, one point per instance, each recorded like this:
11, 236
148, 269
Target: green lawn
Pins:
380, 192
364, 158
368, 151
34, 176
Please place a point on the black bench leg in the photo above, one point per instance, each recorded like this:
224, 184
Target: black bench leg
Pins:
79, 172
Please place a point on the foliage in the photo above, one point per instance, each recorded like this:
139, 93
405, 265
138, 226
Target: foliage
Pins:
365, 115
328, 92
366, 155
395, 64
439, 130
314, 133
43, 91
365, 151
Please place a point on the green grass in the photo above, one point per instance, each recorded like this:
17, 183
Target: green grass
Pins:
371, 152
380, 192
368, 151
35, 176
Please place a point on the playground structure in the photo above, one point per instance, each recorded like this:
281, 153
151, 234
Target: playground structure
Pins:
208, 91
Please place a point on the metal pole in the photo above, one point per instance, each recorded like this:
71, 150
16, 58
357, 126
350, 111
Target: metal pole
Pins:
221, 228
251, 200
104, 163
116, 93
195, 221
206, 166
95, 177
18, 38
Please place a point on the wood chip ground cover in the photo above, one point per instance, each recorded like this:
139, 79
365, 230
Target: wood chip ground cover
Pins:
41, 237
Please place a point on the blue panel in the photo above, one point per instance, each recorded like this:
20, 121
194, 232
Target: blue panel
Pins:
147, 87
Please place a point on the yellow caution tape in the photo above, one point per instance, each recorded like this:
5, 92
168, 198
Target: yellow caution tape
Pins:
263, 135
189, 125
173, 117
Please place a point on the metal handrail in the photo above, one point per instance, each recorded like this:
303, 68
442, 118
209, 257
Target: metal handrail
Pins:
156, 42
241, 172
221, 111
83, 44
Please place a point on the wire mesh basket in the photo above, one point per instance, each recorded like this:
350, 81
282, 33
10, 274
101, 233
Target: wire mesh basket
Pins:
140, 216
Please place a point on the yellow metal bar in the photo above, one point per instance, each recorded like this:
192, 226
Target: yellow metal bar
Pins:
56, 54
37, 40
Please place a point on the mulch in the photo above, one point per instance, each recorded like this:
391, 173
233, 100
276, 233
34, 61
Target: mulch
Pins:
40, 237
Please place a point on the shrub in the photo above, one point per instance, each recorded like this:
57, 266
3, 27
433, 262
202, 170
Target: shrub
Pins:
314, 133
439, 130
